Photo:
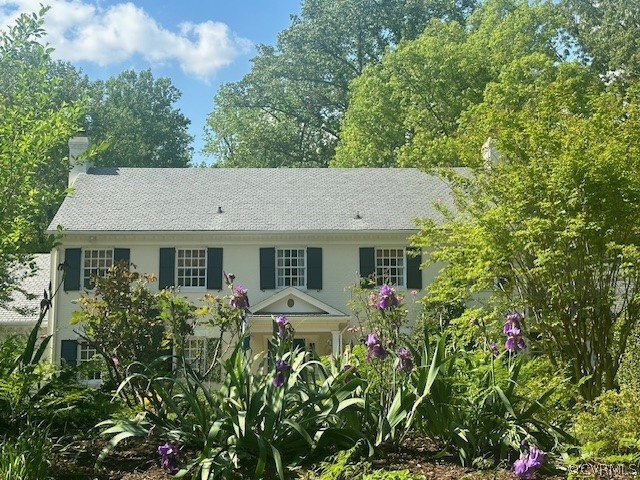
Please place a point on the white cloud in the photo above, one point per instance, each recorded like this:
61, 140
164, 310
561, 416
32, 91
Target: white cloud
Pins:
83, 31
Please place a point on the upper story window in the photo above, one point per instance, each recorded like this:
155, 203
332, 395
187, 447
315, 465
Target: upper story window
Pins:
290, 267
390, 266
191, 267
96, 263
85, 354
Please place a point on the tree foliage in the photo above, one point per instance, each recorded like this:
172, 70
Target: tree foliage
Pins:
405, 111
33, 127
555, 219
607, 35
286, 111
134, 115
129, 326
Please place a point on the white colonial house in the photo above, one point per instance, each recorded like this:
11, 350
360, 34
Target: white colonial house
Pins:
296, 238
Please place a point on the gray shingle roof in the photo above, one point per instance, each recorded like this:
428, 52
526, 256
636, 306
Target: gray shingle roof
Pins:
305, 199
22, 310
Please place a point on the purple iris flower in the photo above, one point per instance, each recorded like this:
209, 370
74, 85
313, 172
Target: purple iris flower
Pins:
374, 347
512, 325
282, 369
513, 332
278, 380
514, 342
495, 351
536, 457
168, 453
283, 324
529, 462
386, 297
240, 298
405, 362
520, 467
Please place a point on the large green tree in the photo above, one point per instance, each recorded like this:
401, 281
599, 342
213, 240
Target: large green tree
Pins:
556, 218
405, 111
607, 35
134, 115
33, 128
286, 111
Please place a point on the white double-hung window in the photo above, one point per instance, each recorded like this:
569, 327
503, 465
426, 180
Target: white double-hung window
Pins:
291, 269
195, 353
191, 267
96, 262
390, 266
86, 353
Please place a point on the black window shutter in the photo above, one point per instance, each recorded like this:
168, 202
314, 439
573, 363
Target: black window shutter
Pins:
214, 269
367, 263
69, 352
72, 259
267, 269
166, 276
414, 274
314, 268
121, 254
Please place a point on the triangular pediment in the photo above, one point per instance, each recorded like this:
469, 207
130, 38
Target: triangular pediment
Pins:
294, 301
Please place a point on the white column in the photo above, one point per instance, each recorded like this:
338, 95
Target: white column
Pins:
335, 342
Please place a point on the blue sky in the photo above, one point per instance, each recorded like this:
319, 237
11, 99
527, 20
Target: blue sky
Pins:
199, 44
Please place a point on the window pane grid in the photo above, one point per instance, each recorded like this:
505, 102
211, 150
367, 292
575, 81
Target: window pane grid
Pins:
390, 266
290, 267
195, 354
96, 263
191, 267
86, 354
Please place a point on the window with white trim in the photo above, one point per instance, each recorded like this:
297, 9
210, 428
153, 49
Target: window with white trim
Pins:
195, 353
86, 353
191, 267
291, 267
390, 266
96, 262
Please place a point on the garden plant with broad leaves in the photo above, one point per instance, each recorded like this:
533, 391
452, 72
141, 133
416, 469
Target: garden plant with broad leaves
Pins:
399, 376
477, 410
270, 413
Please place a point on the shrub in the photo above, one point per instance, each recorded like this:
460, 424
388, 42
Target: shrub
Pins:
475, 410
630, 364
349, 465
538, 376
71, 409
611, 423
258, 423
24, 379
129, 325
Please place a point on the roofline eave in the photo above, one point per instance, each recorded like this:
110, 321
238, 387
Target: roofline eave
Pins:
233, 232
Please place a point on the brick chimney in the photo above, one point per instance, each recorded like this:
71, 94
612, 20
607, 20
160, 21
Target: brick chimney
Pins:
77, 146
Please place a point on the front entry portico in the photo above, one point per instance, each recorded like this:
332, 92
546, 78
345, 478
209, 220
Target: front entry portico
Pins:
317, 326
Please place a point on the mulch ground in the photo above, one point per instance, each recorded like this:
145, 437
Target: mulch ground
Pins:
138, 461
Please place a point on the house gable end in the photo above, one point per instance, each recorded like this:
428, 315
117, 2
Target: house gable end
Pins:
294, 301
